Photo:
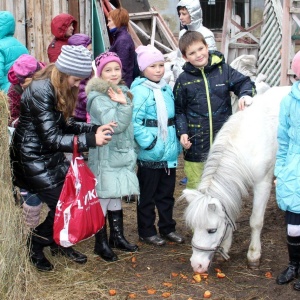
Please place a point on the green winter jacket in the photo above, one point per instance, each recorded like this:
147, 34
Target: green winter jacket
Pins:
113, 164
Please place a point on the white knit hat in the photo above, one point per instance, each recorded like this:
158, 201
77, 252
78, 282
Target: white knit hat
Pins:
75, 61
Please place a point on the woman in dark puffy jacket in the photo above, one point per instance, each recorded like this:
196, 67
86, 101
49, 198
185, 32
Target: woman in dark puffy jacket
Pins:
44, 132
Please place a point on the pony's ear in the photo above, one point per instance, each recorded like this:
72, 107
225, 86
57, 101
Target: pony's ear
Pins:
190, 195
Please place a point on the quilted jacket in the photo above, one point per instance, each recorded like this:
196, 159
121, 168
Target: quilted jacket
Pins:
123, 45
113, 164
10, 47
163, 154
203, 102
42, 137
287, 168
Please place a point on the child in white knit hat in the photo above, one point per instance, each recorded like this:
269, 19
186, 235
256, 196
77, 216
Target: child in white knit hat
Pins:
154, 131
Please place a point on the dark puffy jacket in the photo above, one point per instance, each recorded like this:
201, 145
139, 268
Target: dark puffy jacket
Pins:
59, 27
41, 138
123, 45
203, 102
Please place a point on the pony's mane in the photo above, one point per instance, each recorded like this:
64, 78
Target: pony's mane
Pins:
225, 175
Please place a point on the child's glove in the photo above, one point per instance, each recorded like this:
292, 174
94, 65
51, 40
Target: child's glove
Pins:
31, 214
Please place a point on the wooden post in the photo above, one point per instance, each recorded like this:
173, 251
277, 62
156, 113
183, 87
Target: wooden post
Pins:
286, 43
226, 28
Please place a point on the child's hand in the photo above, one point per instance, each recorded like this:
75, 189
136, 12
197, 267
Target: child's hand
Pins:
116, 96
184, 141
102, 137
244, 102
107, 127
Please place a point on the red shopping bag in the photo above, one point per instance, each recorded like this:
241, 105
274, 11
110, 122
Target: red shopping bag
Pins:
78, 214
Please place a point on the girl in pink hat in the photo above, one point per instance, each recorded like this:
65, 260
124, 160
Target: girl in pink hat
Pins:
109, 99
154, 131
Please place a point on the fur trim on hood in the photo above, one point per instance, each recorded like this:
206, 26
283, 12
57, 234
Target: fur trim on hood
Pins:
99, 85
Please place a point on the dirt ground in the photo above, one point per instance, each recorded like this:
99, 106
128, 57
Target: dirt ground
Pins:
156, 267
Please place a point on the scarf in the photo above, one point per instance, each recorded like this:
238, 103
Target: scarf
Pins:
161, 110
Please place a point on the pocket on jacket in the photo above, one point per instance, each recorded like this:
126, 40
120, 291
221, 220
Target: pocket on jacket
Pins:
155, 154
120, 158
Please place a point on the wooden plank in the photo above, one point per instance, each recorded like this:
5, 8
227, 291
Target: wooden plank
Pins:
142, 15
286, 40
20, 18
226, 28
153, 31
73, 10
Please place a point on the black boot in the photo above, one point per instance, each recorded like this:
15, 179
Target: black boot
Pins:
297, 285
69, 253
101, 246
116, 238
291, 272
37, 256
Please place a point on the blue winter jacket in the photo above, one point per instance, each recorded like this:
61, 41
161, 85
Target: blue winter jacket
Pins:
287, 167
10, 47
153, 151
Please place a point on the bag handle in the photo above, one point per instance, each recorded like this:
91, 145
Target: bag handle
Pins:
75, 147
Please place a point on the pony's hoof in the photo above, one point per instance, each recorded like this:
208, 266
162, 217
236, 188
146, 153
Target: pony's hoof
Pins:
253, 264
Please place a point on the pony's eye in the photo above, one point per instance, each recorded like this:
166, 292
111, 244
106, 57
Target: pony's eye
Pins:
210, 231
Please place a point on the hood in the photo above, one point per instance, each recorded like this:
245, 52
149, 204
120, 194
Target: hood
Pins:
195, 11
7, 24
97, 85
138, 81
295, 91
60, 24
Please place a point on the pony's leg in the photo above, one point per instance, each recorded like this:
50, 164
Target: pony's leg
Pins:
261, 196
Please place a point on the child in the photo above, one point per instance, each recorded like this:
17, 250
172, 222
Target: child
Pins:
190, 16
82, 39
202, 100
287, 174
154, 131
113, 165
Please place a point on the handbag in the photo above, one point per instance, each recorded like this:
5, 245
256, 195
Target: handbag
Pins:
78, 214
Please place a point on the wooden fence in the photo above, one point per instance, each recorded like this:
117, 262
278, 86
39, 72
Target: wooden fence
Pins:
33, 19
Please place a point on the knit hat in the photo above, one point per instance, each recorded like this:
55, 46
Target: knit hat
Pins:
78, 39
148, 55
24, 67
105, 58
296, 64
75, 61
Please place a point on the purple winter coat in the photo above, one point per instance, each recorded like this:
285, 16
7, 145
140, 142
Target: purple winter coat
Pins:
80, 110
123, 45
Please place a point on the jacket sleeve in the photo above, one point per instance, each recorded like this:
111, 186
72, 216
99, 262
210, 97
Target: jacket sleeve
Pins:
282, 138
2, 73
180, 108
240, 84
54, 137
104, 110
142, 134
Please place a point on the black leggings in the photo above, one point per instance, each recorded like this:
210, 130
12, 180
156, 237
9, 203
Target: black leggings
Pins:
43, 234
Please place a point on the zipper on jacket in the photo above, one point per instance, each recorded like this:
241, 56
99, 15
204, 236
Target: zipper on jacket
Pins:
208, 106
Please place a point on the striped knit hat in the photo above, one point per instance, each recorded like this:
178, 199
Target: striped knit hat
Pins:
75, 61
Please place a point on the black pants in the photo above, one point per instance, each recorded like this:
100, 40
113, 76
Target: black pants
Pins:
43, 234
156, 190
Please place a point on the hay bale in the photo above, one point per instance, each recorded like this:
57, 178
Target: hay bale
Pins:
15, 272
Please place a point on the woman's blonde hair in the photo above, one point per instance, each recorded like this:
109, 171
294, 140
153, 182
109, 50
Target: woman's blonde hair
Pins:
66, 95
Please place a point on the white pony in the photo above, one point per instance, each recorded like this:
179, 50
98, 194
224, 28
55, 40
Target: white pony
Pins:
241, 157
